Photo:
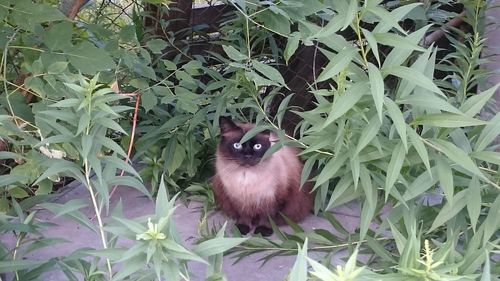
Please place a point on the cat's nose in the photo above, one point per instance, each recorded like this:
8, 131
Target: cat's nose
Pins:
248, 156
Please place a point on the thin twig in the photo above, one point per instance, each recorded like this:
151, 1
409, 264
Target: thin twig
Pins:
132, 135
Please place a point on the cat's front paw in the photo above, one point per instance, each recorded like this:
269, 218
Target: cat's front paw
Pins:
243, 228
263, 230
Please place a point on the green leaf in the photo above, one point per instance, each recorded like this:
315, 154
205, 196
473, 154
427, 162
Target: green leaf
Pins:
349, 15
62, 167
86, 145
259, 80
394, 17
283, 108
44, 187
329, 170
27, 14
216, 246
338, 63
394, 168
458, 156
320, 271
66, 208
492, 223
419, 146
475, 103
398, 120
253, 132
379, 249
398, 237
156, 45
133, 265
474, 202
299, 269
420, 185
291, 46
387, 18
269, 72
148, 100
111, 144
488, 134
399, 56
10, 179
340, 189
275, 22
175, 160
306, 170
485, 272
15, 265
58, 37
355, 165
368, 133
367, 211
234, 54
445, 179
449, 211
372, 43
397, 41
11, 155
111, 124
18, 192
376, 87
120, 164
428, 101
89, 59
447, 120
412, 76
178, 251
345, 102
487, 156
71, 102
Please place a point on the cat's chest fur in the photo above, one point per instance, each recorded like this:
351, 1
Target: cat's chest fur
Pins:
250, 186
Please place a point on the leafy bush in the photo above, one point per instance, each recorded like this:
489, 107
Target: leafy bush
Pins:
382, 130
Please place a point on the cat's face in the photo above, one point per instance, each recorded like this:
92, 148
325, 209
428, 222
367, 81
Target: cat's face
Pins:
248, 153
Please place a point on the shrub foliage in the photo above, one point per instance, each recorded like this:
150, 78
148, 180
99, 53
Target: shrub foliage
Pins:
393, 122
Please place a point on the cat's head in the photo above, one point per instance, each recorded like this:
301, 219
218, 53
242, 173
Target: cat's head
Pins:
248, 153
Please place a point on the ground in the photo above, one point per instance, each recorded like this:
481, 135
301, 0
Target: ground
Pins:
187, 221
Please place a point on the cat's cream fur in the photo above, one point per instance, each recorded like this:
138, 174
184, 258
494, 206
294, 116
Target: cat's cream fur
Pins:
270, 188
256, 186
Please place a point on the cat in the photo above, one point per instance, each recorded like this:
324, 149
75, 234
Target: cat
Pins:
250, 189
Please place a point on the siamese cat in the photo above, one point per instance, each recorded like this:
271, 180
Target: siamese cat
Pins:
250, 189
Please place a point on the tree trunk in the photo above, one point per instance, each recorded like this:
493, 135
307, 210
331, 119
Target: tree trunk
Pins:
71, 7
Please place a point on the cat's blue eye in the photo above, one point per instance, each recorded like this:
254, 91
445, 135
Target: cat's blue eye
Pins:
257, 146
237, 145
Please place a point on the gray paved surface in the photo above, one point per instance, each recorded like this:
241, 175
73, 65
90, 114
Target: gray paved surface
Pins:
187, 221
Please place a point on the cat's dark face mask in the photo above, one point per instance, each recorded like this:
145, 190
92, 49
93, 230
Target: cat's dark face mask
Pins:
246, 154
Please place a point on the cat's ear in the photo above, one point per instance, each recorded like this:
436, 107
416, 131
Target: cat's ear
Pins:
266, 133
227, 125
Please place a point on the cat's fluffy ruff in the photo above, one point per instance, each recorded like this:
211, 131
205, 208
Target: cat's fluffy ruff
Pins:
250, 194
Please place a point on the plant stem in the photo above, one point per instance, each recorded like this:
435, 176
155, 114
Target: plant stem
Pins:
18, 244
360, 40
97, 213
318, 248
93, 196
